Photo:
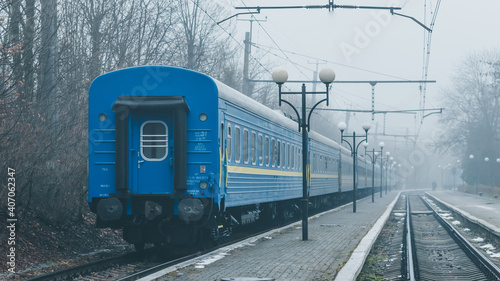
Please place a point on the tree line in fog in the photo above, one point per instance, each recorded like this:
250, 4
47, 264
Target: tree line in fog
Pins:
471, 121
50, 52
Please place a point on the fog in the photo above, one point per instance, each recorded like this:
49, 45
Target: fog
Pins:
373, 45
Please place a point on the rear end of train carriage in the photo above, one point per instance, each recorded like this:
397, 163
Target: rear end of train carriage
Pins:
153, 153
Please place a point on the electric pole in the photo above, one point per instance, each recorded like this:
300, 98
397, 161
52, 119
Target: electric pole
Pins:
247, 89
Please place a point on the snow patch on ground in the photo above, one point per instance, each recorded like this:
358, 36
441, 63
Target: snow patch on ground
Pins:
478, 239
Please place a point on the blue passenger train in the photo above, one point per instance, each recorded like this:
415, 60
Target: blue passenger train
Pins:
176, 156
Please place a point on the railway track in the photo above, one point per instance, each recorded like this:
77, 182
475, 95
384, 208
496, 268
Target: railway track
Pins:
112, 268
133, 266
434, 250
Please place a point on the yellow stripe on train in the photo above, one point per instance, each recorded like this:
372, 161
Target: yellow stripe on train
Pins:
263, 171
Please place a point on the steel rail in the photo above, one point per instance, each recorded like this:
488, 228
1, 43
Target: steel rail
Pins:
87, 268
411, 266
154, 269
483, 263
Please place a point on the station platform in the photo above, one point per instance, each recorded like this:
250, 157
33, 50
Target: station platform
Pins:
339, 241
481, 209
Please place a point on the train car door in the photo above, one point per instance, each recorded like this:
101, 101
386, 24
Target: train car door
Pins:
152, 142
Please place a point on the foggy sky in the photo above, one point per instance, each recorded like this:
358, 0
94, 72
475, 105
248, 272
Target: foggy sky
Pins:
378, 42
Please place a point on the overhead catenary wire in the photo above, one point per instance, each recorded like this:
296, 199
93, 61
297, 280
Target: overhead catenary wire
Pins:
275, 43
285, 53
230, 35
427, 52
260, 46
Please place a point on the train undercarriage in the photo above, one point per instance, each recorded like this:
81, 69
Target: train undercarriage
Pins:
200, 221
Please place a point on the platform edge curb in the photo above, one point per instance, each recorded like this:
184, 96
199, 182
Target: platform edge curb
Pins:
352, 268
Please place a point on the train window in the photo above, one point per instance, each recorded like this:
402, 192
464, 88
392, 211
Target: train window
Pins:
237, 144
253, 147
261, 150
318, 162
273, 150
245, 146
293, 156
154, 140
316, 168
279, 154
289, 154
229, 148
321, 163
266, 152
314, 162
283, 155
223, 153
300, 160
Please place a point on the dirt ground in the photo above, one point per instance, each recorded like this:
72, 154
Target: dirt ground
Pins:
40, 247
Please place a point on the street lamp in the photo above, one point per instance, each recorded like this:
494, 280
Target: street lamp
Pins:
471, 157
493, 175
392, 167
354, 151
373, 159
280, 76
390, 172
387, 154
486, 159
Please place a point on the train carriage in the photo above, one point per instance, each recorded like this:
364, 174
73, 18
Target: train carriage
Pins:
175, 155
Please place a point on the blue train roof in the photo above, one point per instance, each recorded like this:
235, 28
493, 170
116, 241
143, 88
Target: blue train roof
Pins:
124, 82
233, 96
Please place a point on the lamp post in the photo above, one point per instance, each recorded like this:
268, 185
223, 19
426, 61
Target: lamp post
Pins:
471, 157
387, 154
395, 174
390, 171
280, 76
486, 159
373, 159
381, 173
354, 151
493, 172
390, 175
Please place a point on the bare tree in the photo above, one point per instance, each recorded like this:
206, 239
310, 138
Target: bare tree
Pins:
48, 54
28, 51
471, 119
51, 51
201, 45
